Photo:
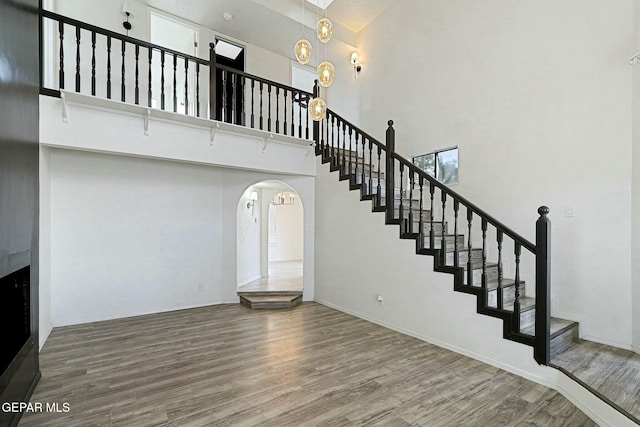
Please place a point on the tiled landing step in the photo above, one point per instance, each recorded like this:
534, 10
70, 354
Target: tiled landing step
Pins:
266, 301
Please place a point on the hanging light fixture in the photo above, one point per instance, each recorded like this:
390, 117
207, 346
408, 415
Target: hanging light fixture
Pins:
324, 29
326, 73
303, 47
317, 109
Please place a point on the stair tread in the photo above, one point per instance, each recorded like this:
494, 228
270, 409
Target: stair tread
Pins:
270, 298
558, 326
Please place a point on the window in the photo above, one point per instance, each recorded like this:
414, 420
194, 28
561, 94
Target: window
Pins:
440, 164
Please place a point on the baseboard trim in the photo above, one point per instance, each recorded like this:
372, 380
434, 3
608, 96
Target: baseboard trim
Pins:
550, 381
595, 407
599, 340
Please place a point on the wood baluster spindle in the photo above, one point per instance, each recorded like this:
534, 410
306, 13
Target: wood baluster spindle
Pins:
234, 100
175, 83
499, 290
307, 116
293, 114
186, 86
421, 217
243, 114
77, 59
136, 98
344, 147
432, 237
443, 241
379, 188
516, 302
484, 255
277, 109
93, 63
469, 248
162, 100
284, 110
108, 67
261, 98
61, 66
456, 250
351, 154
149, 90
253, 84
403, 227
370, 187
198, 89
411, 183
269, 107
123, 93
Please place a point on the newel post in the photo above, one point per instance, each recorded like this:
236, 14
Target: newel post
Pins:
212, 81
316, 123
542, 348
389, 171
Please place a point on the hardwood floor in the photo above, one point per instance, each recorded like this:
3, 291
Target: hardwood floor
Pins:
611, 371
283, 276
227, 365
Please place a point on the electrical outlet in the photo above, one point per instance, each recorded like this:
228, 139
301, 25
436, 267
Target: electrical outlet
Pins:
570, 211
380, 299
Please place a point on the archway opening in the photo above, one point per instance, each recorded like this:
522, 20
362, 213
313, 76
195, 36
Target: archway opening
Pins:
270, 239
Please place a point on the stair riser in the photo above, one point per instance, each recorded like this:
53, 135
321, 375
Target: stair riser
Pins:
415, 214
564, 340
508, 296
463, 257
492, 274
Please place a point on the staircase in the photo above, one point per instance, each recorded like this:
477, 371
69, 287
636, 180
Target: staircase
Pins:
454, 232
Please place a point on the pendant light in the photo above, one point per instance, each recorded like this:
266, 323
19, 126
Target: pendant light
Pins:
317, 109
326, 73
324, 29
303, 47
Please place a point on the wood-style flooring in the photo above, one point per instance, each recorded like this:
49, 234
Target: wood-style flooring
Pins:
611, 371
283, 276
228, 366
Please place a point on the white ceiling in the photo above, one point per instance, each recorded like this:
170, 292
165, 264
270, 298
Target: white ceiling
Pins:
274, 24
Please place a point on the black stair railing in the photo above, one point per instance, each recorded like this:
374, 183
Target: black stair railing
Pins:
102, 63
473, 248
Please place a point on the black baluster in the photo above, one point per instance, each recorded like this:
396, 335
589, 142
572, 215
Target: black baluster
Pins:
137, 90
253, 84
412, 182
197, 89
364, 155
484, 254
499, 290
469, 247
162, 101
175, 83
284, 110
456, 253
308, 102
234, 100
333, 149
293, 126
243, 116
516, 302
432, 237
61, 68
401, 209
149, 90
77, 59
93, 63
224, 109
261, 118
344, 148
300, 114
379, 189
186, 85
421, 218
108, 67
123, 96
443, 241
350, 150
277, 109
269, 107
370, 187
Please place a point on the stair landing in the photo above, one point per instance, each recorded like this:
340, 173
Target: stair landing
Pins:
270, 302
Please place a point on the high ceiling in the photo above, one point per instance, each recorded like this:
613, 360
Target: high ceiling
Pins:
275, 24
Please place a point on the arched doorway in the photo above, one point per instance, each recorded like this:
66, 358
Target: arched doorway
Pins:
270, 241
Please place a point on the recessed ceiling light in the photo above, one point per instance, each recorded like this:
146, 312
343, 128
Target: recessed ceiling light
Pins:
227, 16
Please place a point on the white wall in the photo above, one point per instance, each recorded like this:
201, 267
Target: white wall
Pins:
537, 95
131, 236
44, 297
249, 228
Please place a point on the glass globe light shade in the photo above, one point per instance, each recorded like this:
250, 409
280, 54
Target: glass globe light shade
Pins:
325, 30
303, 51
317, 109
326, 73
